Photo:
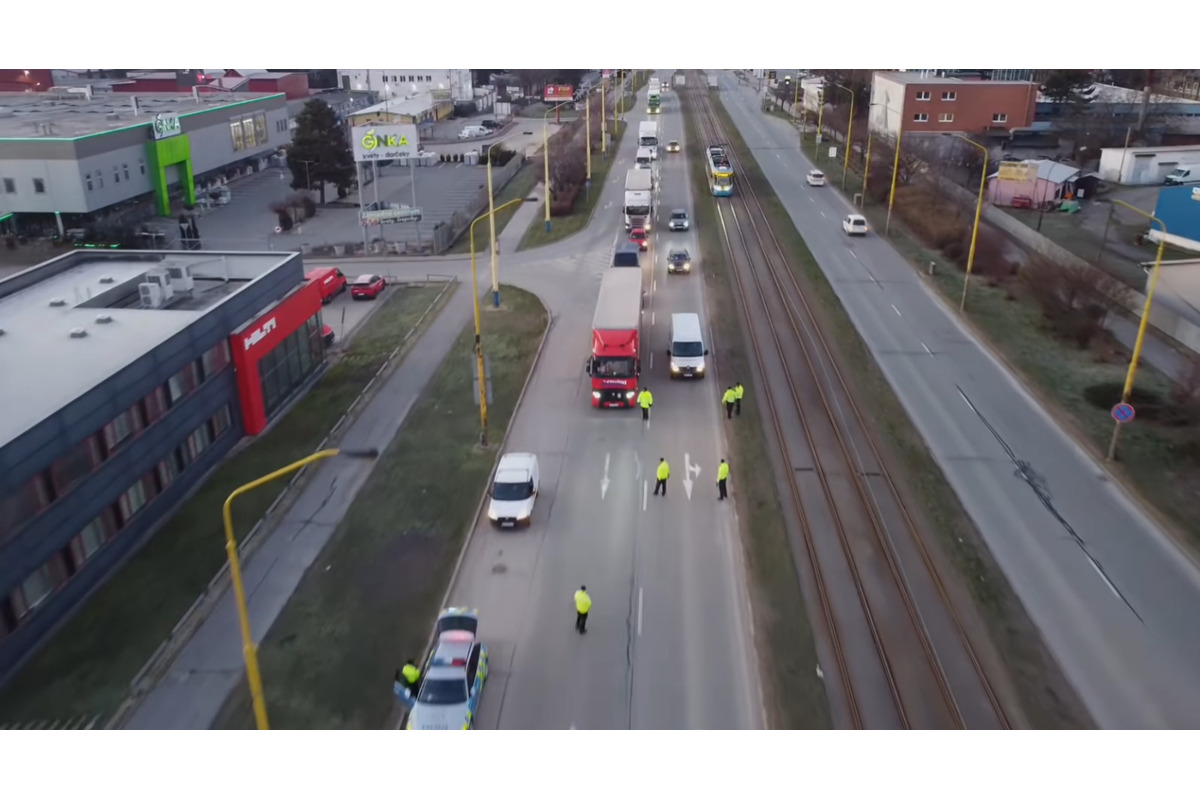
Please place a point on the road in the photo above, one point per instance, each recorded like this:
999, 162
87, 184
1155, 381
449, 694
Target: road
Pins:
1129, 642
668, 643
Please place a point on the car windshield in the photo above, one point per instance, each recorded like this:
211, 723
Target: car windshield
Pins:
443, 691
613, 368
687, 349
679, 215
818, 175
679, 255
365, 279
512, 491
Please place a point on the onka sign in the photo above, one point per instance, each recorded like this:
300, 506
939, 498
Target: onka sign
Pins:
384, 142
259, 333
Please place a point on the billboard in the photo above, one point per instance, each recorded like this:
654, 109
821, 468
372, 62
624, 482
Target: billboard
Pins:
1017, 171
383, 142
559, 94
389, 216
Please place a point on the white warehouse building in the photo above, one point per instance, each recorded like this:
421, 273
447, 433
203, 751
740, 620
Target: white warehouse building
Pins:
401, 83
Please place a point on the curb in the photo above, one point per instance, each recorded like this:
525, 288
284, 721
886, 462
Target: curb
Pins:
398, 723
161, 660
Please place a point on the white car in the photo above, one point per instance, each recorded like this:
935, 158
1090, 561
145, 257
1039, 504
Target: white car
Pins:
855, 225
514, 490
816, 178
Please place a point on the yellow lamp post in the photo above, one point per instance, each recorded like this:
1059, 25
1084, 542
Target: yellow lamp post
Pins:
1145, 321
587, 123
492, 228
887, 228
849, 135
621, 89
479, 371
604, 117
249, 648
820, 119
546, 156
978, 211
895, 163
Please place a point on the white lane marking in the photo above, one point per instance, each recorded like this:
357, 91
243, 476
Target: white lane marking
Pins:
639, 611
645, 494
654, 285
966, 399
814, 202
927, 350
898, 314
854, 254
688, 469
822, 213
651, 359
1103, 577
604, 481
653, 315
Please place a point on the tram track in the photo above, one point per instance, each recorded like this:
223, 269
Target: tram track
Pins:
899, 655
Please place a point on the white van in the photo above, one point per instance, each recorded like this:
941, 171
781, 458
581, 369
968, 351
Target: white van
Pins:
644, 158
687, 349
473, 132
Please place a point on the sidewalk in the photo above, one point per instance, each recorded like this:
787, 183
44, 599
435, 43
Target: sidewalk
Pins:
510, 237
1155, 351
210, 666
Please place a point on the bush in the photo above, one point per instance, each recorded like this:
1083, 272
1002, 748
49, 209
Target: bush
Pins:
935, 227
309, 206
1075, 299
991, 249
499, 156
562, 201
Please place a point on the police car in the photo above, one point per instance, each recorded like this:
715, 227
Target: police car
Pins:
452, 682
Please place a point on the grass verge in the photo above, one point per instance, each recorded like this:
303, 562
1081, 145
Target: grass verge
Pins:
1159, 462
1042, 692
562, 227
369, 600
521, 185
793, 694
86, 668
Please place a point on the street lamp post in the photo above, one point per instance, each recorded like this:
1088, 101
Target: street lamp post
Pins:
1143, 324
546, 156
849, 135
483, 426
887, 228
587, 124
249, 648
978, 211
604, 117
820, 120
492, 227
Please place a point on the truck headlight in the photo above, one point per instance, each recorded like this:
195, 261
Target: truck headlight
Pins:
596, 395
630, 395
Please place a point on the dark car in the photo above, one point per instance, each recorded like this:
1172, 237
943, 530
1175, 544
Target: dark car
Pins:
491, 124
679, 260
367, 287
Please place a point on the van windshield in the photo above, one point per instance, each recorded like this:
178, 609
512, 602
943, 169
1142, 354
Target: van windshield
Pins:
687, 349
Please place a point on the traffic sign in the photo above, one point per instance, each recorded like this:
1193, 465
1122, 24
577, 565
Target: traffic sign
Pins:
1123, 412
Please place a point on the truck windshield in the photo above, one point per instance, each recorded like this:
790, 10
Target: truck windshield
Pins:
687, 349
613, 368
643, 161
637, 211
512, 491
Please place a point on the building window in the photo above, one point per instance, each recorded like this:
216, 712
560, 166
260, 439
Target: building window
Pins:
943, 117
260, 127
169, 468
124, 426
949, 96
116, 175
75, 465
248, 133
89, 183
235, 128
25, 503
182, 383
385, 78
41, 584
198, 442
922, 95
215, 360
420, 79
39, 186
429, 79
8, 616
922, 117
221, 422
93, 537
154, 405
998, 118
142, 167
134, 500
10, 186
125, 169
99, 179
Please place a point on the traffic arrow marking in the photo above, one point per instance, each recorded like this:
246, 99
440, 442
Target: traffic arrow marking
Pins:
605, 481
688, 469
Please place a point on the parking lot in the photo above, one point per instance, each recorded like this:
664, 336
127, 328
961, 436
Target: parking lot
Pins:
523, 134
345, 315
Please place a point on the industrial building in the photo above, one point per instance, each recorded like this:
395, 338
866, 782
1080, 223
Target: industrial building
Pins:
450, 84
1145, 166
68, 155
916, 103
128, 375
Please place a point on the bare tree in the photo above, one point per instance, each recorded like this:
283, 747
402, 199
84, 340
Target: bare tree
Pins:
1075, 299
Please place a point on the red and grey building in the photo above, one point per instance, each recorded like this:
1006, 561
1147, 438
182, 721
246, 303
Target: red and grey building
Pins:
126, 377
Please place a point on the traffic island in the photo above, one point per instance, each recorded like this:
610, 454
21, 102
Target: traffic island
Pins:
1013, 645
86, 668
369, 600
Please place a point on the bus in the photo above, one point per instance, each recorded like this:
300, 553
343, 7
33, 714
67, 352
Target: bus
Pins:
720, 172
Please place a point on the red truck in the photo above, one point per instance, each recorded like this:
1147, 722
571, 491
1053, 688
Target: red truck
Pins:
615, 363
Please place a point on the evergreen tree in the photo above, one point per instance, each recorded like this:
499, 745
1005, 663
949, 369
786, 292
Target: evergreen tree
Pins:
319, 152
1067, 86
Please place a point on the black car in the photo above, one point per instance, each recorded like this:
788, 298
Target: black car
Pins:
679, 260
491, 124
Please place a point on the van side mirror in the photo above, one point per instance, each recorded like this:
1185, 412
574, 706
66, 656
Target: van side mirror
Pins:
706, 352
668, 352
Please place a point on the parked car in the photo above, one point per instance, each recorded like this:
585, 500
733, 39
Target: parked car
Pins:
492, 124
473, 132
330, 282
855, 225
816, 178
453, 679
638, 237
679, 221
679, 260
367, 287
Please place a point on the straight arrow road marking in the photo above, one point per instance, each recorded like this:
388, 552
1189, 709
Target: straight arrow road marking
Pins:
688, 469
645, 494
604, 481
639, 611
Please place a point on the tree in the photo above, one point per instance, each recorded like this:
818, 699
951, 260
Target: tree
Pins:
1068, 86
1075, 299
319, 152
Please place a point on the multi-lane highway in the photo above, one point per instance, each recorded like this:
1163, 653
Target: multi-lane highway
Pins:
668, 642
1116, 600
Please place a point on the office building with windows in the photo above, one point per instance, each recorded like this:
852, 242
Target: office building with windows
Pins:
127, 376
67, 156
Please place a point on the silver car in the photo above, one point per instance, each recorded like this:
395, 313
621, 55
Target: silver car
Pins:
448, 695
679, 221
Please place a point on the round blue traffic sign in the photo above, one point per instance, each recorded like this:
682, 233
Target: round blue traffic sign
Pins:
1122, 412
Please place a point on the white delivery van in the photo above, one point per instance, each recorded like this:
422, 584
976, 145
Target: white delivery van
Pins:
687, 352
1183, 174
644, 158
473, 132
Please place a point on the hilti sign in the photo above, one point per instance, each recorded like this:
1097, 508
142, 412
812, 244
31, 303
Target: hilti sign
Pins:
261, 333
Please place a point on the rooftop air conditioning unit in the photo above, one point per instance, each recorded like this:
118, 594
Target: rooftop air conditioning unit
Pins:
161, 278
151, 295
181, 278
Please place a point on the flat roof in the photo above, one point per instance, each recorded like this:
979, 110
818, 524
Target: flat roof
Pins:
401, 105
45, 368
917, 77
71, 115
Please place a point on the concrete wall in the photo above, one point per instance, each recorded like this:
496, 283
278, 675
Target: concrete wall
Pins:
1143, 165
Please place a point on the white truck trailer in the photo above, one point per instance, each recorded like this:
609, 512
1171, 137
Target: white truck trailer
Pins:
648, 136
680, 79
638, 207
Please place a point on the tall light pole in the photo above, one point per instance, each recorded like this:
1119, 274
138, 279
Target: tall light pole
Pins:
249, 648
604, 117
546, 157
978, 211
479, 371
492, 227
849, 135
587, 123
1141, 334
887, 228
820, 119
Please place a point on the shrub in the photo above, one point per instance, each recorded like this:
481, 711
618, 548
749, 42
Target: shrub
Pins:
1075, 299
308, 206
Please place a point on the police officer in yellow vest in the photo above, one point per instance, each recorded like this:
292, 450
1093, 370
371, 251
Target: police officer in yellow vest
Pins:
661, 475
738, 392
583, 604
409, 675
729, 399
722, 476
645, 400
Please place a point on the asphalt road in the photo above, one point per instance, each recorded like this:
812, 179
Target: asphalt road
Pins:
668, 643
1130, 643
